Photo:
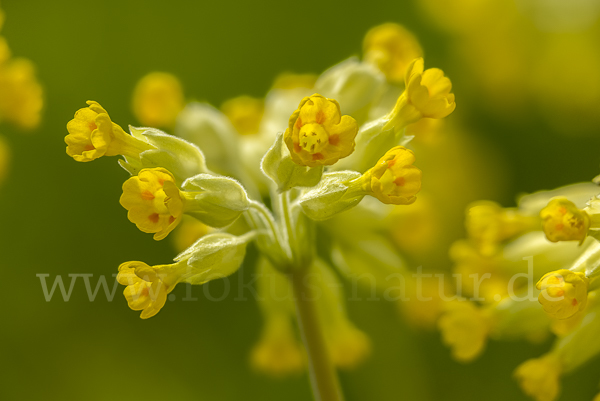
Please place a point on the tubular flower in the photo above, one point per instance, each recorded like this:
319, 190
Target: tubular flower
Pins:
278, 353
394, 180
540, 378
564, 293
318, 135
488, 224
245, 113
563, 221
465, 329
20, 94
158, 99
147, 287
349, 347
427, 95
391, 47
92, 134
154, 202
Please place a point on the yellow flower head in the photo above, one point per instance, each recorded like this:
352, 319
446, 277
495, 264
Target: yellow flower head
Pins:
21, 98
391, 47
488, 224
147, 287
564, 293
245, 113
540, 378
318, 134
154, 202
158, 99
92, 134
563, 221
278, 353
288, 80
394, 180
465, 329
349, 347
429, 91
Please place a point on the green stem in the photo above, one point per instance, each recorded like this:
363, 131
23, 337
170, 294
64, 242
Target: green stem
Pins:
289, 226
323, 377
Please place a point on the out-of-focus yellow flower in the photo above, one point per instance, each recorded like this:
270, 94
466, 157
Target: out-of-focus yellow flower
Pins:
20, 94
488, 224
245, 113
154, 202
318, 135
92, 134
4, 159
562, 327
278, 353
288, 80
147, 287
540, 378
349, 347
189, 231
391, 47
394, 180
158, 99
563, 221
427, 95
424, 301
415, 228
465, 329
564, 293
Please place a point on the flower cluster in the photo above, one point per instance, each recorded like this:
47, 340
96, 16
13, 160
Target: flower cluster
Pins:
341, 139
553, 291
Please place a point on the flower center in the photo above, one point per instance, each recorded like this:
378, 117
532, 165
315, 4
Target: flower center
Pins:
313, 138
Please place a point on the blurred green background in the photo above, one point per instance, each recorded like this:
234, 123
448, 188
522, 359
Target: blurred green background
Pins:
60, 217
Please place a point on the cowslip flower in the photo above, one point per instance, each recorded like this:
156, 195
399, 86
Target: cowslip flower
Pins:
278, 352
564, 293
245, 113
154, 203
158, 99
394, 180
465, 329
318, 134
540, 378
147, 286
21, 95
92, 134
563, 221
391, 47
427, 95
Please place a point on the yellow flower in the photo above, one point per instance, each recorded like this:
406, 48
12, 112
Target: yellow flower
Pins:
597, 398
20, 94
348, 346
288, 80
427, 95
147, 287
245, 113
392, 48
465, 329
563, 221
154, 202
564, 293
394, 180
278, 353
92, 134
158, 99
488, 224
4, 50
318, 135
540, 378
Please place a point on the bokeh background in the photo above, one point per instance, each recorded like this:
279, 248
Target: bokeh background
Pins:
526, 76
